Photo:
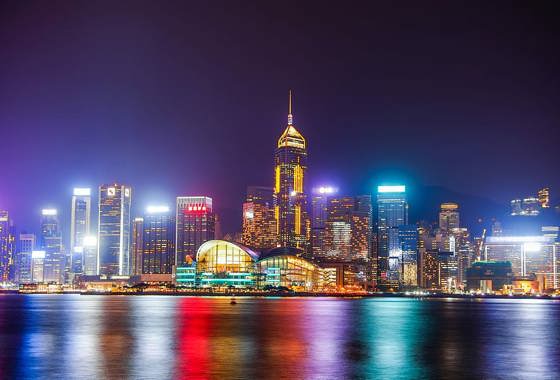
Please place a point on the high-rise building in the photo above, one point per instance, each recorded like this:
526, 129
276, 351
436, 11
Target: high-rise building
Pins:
449, 216
528, 255
158, 253
113, 236
91, 260
392, 212
38, 266
7, 247
429, 267
290, 165
23, 259
259, 224
195, 224
51, 243
408, 239
79, 228
319, 215
137, 245
544, 197
347, 231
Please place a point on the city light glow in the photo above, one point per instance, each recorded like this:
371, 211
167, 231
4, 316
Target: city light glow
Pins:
391, 189
157, 209
90, 241
38, 254
82, 191
49, 212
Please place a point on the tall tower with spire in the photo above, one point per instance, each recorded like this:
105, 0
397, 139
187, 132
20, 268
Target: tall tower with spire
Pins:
290, 165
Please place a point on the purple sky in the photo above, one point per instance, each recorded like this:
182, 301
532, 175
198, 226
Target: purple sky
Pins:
180, 98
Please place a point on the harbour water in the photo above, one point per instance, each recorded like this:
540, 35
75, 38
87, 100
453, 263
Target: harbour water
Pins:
159, 337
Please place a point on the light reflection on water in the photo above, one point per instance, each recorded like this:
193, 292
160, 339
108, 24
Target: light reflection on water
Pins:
157, 337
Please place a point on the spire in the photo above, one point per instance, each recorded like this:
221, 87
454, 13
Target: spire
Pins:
290, 116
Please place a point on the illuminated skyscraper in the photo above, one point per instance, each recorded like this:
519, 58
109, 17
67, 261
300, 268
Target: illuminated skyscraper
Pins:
449, 216
158, 253
544, 197
51, 243
90, 256
113, 234
319, 216
137, 245
79, 227
195, 224
7, 247
290, 160
392, 212
347, 233
23, 258
259, 224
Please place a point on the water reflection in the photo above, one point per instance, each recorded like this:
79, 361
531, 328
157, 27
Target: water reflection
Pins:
172, 337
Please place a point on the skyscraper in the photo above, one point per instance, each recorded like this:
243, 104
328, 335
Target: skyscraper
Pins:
51, 243
158, 253
23, 258
90, 258
113, 236
7, 247
544, 197
137, 245
319, 216
449, 216
79, 227
392, 212
195, 224
259, 224
290, 160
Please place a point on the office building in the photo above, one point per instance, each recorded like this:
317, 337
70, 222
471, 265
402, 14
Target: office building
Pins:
113, 236
290, 165
408, 239
79, 228
38, 267
544, 197
489, 276
90, 257
538, 255
319, 215
137, 245
195, 224
449, 216
259, 224
392, 212
158, 253
51, 244
7, 247
23, 269
530, 206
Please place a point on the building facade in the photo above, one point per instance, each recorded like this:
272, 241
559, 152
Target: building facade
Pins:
114, 227
7, 247
259, 224
137, 245
195, 224
290, 209
80, 225
51, 244
26, 247
158, 252
392, 212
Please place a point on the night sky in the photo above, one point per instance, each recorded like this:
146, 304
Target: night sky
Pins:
189, 98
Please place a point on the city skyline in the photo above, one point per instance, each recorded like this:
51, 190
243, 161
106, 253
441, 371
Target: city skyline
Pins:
454, 102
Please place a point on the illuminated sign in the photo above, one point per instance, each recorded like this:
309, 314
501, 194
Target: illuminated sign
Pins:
49, 211
249, 214
111, 191
38, 254
157, 209
195, 208
391, 189
517, 239
127, 192
82, 191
